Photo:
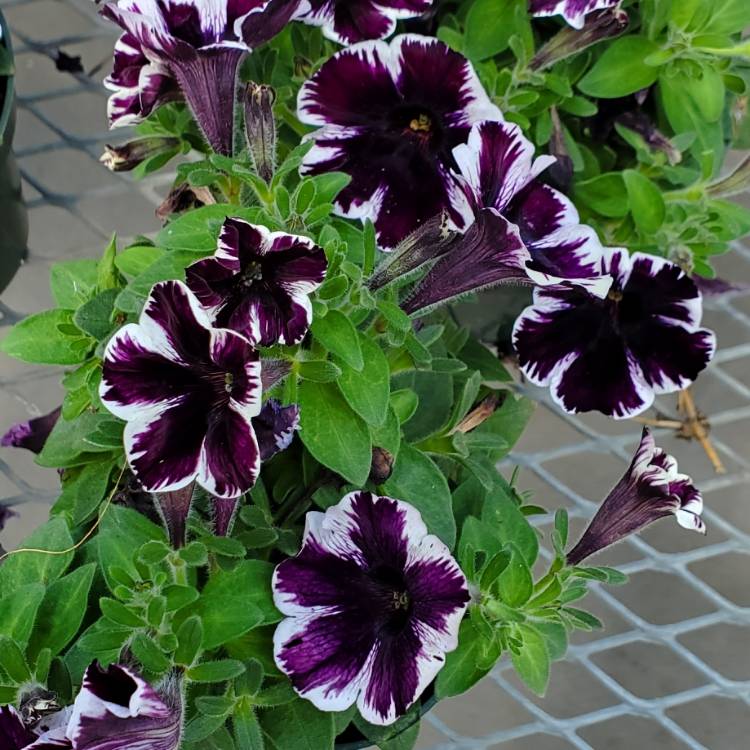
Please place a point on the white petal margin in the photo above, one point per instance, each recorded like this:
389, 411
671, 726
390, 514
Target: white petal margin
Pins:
578, 18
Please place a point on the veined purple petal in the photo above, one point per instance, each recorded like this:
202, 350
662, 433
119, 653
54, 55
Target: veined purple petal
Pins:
573, 11
262, 24
372, 602
32, 434
489, 253
274, 427
650, 489
117, 709
351, 21
394, 132
13, 733
613, 354
223, 511
175, 508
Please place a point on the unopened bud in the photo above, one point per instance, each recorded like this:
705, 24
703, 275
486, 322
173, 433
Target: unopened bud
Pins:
129, 155
561, 172
184, 197
736, 182
382, 465
260, 128
603, 24
642, 124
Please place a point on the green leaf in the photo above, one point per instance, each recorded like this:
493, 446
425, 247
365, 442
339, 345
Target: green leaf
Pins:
119, 613
198, 230
339, 336
435, 402
298, 725
484, 36
247, 732
515, 584
18, 611
388, 435
12, 660
621, 70
41, 339
606, 194
333, 433
38, 567
417, 480
106, 271
62, 611
73, 282
508, 422
95, 316
83, 490
401, 735
135, 260
646, 202
189, 641
319, 371
461, 671
152, 658
216, 671
532, 662
367, 391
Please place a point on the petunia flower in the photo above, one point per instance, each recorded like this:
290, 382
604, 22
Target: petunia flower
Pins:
31, 434
258, 283
13, 733
573, 11
188, 393
650, 489
116, 709
613, 354
351, 21
394, 131
498, 171
189, 49
372, 603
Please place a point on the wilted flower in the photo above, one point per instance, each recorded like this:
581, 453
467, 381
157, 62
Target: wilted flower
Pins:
613, 354
350, 21
32, 434
650, 489
258, 283
187, 48
129, 155
394, 131
13, 734
260, 128
491, 252
373, 602
499, 172
573, 11
275, 427
188, 393
116, 709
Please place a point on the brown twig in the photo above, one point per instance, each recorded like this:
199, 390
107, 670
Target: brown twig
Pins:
670, 424
694, 425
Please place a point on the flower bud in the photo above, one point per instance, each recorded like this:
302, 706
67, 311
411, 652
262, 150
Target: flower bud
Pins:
600, 25
260, 128
735, 182
382, 465
129, 155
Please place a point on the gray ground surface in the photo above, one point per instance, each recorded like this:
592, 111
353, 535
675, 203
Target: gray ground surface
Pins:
672, 669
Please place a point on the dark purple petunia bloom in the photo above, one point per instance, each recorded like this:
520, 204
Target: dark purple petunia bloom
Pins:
275, 427
117, 709
490, 253
373, 602
351, 21
498, 171
188, 393
613, 354
573, 11
258, 283
188, 49
650, 489
33, 434
394, 131
13, 733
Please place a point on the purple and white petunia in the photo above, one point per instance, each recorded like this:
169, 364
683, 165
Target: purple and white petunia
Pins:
188, 393
116, 709
394, 131
372, 603
613, 354
573, 11
174, 49
13, 733
498, 171
258, 283
650, 489
351, 21
32, 434
275, 427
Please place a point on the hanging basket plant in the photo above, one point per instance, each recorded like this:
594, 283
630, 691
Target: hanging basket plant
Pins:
288, 514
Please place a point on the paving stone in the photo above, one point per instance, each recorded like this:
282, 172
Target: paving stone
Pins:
541, 492
666, 535
649, 670
67, 171
732, 504
618, 554
429, 736
717, 722
36, 75
17, 528
47, 20
692, 459
729, 574
482, 710
81, 116
715, 394
127, 214
573, 690
730, 332
614, 623
629, 732
662, 598
29, 291
31, 132
535, 742
591, 475
546, 431
725, 647
733, 266
57, 234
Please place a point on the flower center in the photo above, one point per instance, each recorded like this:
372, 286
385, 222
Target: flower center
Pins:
392, 604
615, 295
228, 382
400, 600
251, 273
421, 124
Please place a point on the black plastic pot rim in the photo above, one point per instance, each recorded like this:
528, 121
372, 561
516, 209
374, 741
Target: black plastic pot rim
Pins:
7, 108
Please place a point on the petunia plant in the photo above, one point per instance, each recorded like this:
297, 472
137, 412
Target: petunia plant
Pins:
288, 514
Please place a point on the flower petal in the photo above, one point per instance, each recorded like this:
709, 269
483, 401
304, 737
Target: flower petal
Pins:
274, 427
31, 434
573, 11
13, 733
